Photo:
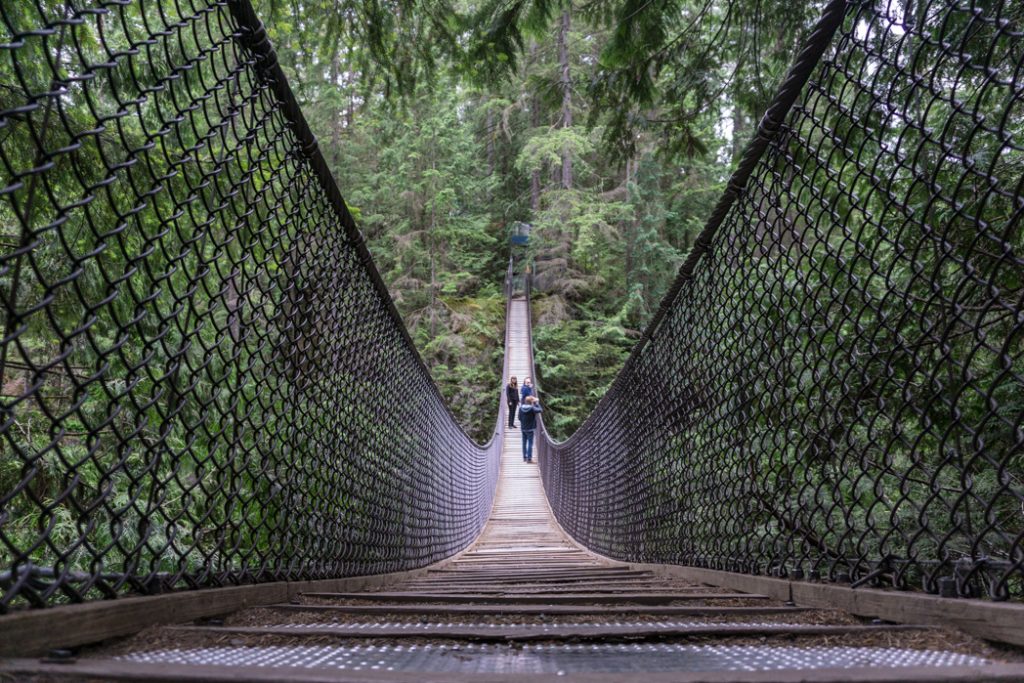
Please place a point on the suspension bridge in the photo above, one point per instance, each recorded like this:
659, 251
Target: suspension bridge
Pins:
223, 458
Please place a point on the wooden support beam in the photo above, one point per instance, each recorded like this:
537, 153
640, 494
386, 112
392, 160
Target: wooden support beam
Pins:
490, 633
519, 598
998, 621
36, 631
550, 610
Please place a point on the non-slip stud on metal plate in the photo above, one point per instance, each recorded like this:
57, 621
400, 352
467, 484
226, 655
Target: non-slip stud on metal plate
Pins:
542, 658
550, 631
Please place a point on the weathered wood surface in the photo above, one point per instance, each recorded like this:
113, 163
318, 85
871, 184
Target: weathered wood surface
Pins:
35, 631
525, 632
515, 597
29, 632
504, 608
999, 621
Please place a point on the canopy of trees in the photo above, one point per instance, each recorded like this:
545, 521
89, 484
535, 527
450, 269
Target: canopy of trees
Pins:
610, 126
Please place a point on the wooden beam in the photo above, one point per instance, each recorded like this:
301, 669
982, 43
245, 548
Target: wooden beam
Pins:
37, 631
999, 621
574, 632
550, 610
540, 599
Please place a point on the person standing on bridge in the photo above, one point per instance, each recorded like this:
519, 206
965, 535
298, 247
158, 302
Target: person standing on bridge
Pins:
512, 398
528, 424
527, 390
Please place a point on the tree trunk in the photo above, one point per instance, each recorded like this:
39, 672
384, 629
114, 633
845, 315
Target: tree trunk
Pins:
631, 227
565, 83
739, 131
489, 132
335, 77
534, 123
430, 243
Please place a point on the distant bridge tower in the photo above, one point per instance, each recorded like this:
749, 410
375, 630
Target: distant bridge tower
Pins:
520, 234
519, 241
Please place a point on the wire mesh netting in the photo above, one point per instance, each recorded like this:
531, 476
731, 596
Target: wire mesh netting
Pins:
204, 380
834, 388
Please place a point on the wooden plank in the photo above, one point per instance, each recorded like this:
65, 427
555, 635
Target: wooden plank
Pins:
550, 581
505, 608
516, 598
999, 621
36, 631
522, 566
591, 585
574, 632
549, 589
533, 577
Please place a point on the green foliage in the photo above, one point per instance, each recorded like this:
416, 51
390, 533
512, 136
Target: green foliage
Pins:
416, 177
546, 147
500, 29
391, 46
606, 248
576, 363
445, 122
666, 64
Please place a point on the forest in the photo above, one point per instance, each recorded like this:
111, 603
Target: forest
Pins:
838, 389
173, 380
609, 126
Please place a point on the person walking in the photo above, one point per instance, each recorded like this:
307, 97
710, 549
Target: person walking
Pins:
512, 398
527, 390
528, 424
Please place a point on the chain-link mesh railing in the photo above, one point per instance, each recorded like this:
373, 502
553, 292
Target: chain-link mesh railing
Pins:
204, 381
834, 388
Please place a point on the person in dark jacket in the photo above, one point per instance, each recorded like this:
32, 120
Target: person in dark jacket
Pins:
527, 390
512, 398
528, 424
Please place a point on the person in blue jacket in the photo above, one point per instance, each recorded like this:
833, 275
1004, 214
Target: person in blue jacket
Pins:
528, 424
527, 390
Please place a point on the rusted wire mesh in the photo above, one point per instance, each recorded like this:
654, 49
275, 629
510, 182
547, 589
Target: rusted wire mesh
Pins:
204, 380
834, 388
